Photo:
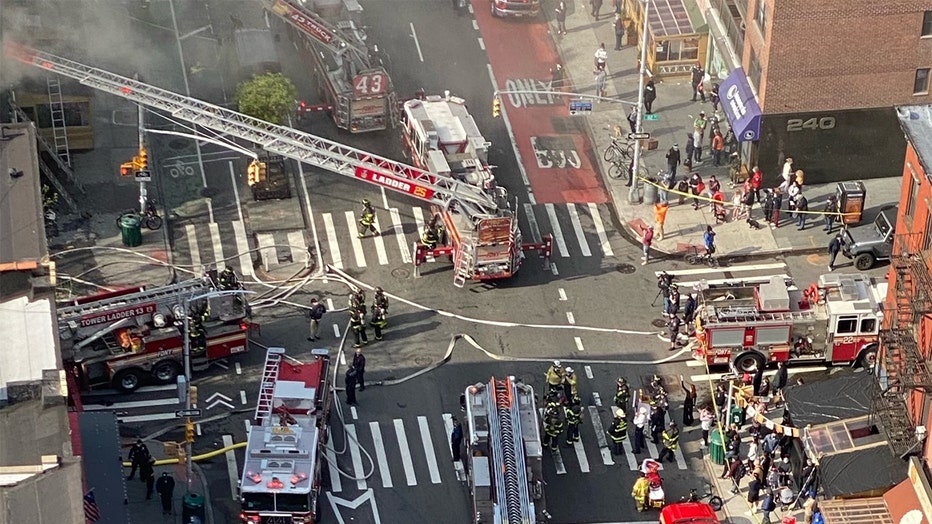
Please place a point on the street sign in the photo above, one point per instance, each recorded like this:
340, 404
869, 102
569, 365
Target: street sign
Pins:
143, 176
580, 106
638, 136
651, 117
188, 413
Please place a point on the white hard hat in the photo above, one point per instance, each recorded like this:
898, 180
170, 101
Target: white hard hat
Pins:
556, 363
569, 369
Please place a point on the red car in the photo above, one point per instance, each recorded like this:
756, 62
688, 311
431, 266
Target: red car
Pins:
688, 513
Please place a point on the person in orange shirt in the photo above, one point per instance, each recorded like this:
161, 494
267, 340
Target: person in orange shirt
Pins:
718, 145
660, 216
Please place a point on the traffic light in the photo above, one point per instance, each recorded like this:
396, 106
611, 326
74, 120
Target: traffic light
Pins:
127, 169
252, 173
263, 171
192, 394
496, 107
189, 430
143, 163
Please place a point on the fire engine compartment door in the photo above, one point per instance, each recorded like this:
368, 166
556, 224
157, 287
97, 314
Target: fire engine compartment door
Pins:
368, 107
495, 230
726, 337
772, 335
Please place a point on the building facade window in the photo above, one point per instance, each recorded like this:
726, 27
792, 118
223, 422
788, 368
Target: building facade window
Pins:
927, 23
755, 70
927, 232
913, 192
921, 84
761, 17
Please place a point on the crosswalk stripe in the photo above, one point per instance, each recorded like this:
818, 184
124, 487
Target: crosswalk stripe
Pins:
581, 456
557, 231
629, 454
217, 245
380, 454
336, 258
358, 471
380, 244
532, 221
600, 436
429, 450
577, 226
652, 449
336, 483
242, 245
267, 251
558, 459
680, 459
400, 235
406, 461
419, 221
297, 246
600, 230
193, 248
354, 239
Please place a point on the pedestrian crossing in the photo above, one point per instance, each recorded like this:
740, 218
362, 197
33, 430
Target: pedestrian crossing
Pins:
221, 244
417, 452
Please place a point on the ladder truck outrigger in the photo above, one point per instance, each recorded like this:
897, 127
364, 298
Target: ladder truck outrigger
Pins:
485, 240
282, 475
127, 337
354, 84
505, 453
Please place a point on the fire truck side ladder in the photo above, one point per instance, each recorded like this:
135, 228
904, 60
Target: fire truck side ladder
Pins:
464, 258
513, 505
180, 290
297, 145
57, 110
273, 360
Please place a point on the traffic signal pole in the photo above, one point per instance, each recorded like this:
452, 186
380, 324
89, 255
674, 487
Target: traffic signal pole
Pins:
143, 190
633, 196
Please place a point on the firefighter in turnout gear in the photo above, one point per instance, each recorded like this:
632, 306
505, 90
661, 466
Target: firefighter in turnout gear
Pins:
569, 384
619, 432
357, 302
671, 441
378, 321
429, 237
622, 394
380, 299
196, 334
367, 219
227, 280
555, 376
358, 325
573, 414
553, 425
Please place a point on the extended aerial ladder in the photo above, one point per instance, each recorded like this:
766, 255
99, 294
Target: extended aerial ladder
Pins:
444, 192
311, 24
505, 453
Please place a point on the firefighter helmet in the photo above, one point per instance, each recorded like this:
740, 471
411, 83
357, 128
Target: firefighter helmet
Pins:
556, 364
365, 201
569, 370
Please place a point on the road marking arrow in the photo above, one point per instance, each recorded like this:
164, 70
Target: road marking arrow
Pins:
221, 395
220, 401
367, 496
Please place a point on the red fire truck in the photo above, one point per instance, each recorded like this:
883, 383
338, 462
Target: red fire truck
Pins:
126, 337
281, 481
835, 320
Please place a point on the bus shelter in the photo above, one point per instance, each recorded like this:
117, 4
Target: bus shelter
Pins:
676, 39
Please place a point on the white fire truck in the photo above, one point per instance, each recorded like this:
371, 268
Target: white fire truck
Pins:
126, 337
504, 450
281, 481
439, 135
355, 86
485, 241
835, 320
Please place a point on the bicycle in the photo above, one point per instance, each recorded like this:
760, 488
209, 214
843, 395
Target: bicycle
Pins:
695, 258
151, 218
619, 169
715, 501
618, 152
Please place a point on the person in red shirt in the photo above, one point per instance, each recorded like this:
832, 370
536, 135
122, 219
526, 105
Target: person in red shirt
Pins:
757, 178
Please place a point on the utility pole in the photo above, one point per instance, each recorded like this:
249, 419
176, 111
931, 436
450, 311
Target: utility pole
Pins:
143, 190
633, 197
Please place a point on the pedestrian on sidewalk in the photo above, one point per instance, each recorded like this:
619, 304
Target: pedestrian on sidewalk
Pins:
650, 94
754, 489
618, 7
166, 489
668, 183
557, 76
314, 313
646, 239
600, 81
757, 180
660, 216
561, 17
768, 204
596, 6
697, 74
831, 211
633, 121
802, 208
601, 55
690, 152
709, 239
673, 159
737, 207
834, 246
714, 98
787, 174
619, 31
706, 419
777, 204
768, 505
714, 187
696, 187
718, 146
697, 145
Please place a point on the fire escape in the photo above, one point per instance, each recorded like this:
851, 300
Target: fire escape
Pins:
906, 368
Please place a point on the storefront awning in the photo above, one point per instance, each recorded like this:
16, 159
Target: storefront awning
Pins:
741, 106
909, 501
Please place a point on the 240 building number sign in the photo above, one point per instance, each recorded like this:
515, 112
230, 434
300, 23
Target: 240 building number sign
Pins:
370, 84
815, 124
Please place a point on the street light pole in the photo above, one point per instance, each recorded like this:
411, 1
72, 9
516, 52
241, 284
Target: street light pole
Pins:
633, 197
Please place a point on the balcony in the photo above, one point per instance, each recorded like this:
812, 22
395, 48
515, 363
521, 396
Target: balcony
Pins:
733, 22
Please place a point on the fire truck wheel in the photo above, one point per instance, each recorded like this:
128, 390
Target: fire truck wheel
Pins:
748, 362
864, 261
128, 380
868, 357
166, 371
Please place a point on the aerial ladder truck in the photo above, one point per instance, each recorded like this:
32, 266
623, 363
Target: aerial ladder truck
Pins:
486, 226
354, 84
504, 450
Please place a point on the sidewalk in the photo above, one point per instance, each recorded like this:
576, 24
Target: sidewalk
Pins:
684, 226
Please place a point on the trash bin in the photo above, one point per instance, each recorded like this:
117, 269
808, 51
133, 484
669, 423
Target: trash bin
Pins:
130, 227
650, 191
851, 197
192, 509
717, 447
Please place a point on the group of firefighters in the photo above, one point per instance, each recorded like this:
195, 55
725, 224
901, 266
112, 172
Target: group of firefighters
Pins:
357, 309
432, 234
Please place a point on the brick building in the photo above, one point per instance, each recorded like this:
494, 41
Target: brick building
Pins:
817, 80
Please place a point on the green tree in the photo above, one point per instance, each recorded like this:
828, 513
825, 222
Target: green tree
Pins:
268, 97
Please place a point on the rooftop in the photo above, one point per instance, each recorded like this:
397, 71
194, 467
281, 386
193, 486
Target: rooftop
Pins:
22, 229
916, 121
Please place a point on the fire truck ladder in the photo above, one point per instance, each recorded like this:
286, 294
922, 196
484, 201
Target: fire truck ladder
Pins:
273, 359
297, 145
513, 503
177, 291
57, 110
464, 258
312, 25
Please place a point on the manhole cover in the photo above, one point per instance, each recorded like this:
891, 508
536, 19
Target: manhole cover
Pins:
179, 144
422, 360
401, 273
659, 322
625, 268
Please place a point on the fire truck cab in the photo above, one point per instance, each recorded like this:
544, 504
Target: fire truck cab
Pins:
835, 320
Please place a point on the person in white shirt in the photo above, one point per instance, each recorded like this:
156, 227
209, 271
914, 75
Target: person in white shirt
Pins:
787, 175
601, 55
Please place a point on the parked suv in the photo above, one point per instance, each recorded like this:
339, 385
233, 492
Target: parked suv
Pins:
871, 242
